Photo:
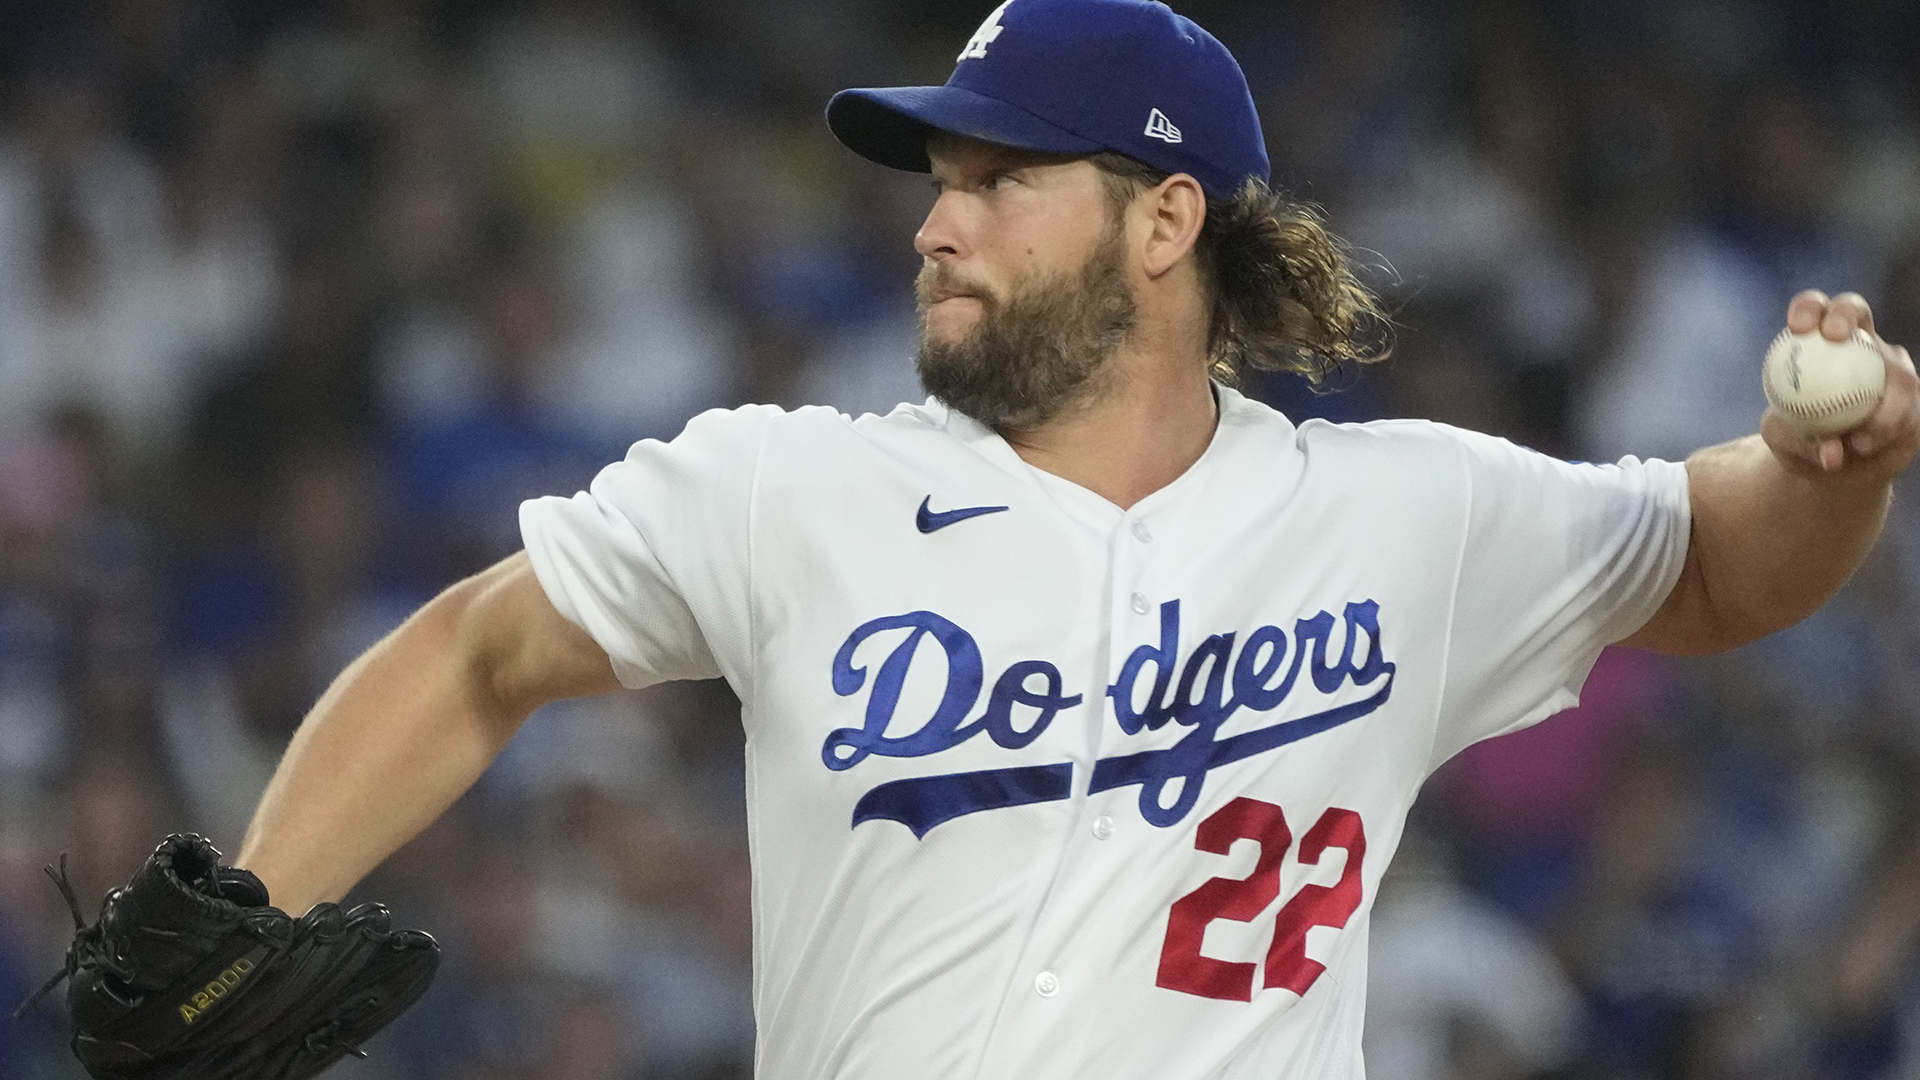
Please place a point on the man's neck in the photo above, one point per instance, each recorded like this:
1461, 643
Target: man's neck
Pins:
1147, 427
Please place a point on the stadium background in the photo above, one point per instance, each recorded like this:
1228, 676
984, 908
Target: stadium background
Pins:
297, 300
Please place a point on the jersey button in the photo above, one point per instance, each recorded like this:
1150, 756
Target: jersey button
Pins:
1142, 533
1102, 827
1046, 984
1139, 603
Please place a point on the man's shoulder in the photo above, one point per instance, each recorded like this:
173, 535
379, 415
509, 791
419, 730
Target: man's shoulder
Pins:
1421, 461
1399, 445
812, 426
1417, 454
1386, 435
1405, 442
930, 415
1381, 436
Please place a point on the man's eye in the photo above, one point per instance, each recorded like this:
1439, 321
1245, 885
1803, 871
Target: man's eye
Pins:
998, 181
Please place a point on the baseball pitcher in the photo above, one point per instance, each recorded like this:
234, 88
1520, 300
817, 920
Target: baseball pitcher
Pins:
1084, 701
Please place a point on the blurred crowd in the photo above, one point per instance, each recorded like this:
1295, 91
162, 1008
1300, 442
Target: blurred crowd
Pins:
299, 298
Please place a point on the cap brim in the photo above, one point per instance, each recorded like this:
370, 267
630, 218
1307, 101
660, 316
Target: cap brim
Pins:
890, 126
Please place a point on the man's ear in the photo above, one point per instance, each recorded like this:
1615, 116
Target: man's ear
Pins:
1175, 210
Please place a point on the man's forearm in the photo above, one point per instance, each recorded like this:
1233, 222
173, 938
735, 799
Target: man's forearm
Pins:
1781, 519
1771, 544
394, 741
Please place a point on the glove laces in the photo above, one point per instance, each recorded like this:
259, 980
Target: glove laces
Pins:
91, 947
86, 933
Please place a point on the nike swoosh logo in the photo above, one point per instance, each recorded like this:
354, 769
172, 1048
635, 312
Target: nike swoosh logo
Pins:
930, 520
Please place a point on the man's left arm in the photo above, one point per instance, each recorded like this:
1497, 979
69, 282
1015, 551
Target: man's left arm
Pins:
1780, 520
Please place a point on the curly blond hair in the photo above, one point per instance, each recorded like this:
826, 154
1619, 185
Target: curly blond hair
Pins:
1284, 290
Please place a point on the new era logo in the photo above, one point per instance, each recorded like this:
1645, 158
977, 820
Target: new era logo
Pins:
989, 31
1159, 127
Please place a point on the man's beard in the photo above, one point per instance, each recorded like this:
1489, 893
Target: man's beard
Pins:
1036, 355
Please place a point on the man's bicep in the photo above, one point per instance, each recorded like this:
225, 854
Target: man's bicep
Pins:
1681, 625
530, 653
1560, 559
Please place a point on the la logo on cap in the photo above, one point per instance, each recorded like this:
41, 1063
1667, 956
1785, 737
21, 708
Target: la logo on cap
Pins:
977, 44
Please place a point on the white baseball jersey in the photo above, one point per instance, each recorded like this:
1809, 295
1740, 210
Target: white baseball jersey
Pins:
1041, 787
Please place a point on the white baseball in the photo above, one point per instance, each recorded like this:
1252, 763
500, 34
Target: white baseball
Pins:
1823, 387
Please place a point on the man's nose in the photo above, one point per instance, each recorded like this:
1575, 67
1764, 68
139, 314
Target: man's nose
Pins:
940, 236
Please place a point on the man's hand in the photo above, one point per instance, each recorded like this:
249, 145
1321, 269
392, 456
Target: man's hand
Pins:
1881, 447
189, 974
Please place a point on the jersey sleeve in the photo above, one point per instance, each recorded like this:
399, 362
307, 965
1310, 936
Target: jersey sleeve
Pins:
1558, 560
653, 561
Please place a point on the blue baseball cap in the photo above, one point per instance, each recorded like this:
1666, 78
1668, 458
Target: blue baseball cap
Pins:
1076, 77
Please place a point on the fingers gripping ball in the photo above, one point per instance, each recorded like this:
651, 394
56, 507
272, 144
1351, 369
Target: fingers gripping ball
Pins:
189, 973
1822, 387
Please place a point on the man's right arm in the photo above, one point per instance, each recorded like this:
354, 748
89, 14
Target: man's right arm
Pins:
408, 727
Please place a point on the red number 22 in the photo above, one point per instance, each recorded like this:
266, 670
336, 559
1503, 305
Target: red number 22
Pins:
1183, 968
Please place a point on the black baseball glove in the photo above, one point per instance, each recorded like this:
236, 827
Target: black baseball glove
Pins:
190, 975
